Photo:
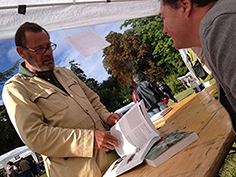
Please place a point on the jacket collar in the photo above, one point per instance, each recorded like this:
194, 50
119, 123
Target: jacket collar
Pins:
25, 72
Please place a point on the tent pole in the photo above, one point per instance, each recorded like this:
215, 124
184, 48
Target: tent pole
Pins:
35, 157
72, 2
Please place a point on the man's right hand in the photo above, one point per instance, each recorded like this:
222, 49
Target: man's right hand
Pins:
103, 140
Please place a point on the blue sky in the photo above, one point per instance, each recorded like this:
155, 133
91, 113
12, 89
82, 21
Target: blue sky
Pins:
92, 66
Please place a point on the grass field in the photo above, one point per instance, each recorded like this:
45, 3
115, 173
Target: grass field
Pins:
180, 96
228, 169
44, 175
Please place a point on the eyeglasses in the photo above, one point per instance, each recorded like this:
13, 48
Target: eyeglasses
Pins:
52, 47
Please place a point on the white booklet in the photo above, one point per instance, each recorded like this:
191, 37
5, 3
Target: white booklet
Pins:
136, 134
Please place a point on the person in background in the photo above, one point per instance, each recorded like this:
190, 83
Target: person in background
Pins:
25, 167
208, 24
187, 79
12, 170
41, 165
185, 86
33, 167
54, 112
5, 172
166, 90
150, 94
132, 91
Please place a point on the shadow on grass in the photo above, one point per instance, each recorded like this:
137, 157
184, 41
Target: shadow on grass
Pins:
228, 169
182, 95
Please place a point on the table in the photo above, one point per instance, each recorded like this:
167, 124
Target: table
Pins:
205, 156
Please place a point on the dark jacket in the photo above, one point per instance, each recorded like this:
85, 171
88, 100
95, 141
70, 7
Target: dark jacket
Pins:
165, 88
149, 92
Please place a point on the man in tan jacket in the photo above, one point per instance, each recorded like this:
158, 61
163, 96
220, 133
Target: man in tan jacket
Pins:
54, 112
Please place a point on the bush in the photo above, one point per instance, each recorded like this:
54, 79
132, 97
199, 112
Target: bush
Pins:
1, 173
215, 95
175, 85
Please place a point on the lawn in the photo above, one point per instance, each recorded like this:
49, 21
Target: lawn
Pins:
180, 96
184, 94
228, 169
44, 175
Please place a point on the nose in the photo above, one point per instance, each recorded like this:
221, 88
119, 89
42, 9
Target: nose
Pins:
164, 28
164, 31
48, 51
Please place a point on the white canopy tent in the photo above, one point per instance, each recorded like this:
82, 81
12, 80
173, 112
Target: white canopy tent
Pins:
183, 53
15, 155
56, 15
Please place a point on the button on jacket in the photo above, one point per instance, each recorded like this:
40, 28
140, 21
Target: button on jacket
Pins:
57, 124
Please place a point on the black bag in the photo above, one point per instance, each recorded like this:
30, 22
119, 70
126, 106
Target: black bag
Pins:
197, 68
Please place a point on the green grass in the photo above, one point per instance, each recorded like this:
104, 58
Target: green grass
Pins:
228, 169
44, 175
180, 96
184, 94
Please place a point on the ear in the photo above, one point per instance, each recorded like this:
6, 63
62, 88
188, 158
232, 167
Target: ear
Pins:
21, 52
186, 5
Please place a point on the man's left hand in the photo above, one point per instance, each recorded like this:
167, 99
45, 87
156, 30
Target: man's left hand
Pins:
113, 119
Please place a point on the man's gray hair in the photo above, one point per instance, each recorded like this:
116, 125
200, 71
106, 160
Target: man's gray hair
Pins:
136, 78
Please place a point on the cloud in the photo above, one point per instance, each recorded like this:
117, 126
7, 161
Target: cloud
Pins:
92, 66
8, 54
12, 54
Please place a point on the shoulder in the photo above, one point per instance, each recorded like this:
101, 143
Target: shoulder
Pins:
64, 72
17, 79
14, 78
144, 83
147, 82
61, 69
220, 10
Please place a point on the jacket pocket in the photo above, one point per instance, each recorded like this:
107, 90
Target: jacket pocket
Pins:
50, 102
75, 87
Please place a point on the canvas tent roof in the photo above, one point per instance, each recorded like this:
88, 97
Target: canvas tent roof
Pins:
56, 15
15, 155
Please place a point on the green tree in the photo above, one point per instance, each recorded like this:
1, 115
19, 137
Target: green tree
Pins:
8, 137
150, 31
74, 67
128, 55
175, 85
8, 73
109, 94
92, 84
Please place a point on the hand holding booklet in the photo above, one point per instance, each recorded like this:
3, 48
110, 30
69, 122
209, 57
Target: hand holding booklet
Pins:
136, 134
140, 140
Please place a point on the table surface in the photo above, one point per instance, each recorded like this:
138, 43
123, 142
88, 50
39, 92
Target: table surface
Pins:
205, 156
